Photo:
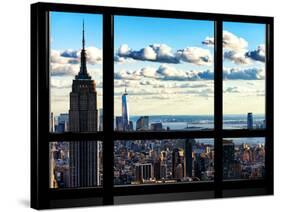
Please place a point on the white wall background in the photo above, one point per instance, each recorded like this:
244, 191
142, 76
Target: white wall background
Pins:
15, 97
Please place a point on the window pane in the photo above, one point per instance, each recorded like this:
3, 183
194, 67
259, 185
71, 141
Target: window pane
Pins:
163, 74
163, 161
243, 158
243, 75
75, 164
75, 72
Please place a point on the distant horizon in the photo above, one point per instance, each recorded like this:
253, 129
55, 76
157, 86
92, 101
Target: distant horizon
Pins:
254, 114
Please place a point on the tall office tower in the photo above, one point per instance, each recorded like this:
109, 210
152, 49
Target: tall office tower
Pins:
188, 157
63, 123
176, 160
179, 171
143, 172
119, 123
83, 118
163, 171
197, 166
100, 119
163, 155
142, 123
125, 112
237, 170
156, 126
203, 162
99, 164
130, 126
157, 169
52, 123
52, 165
228, 158
250, 123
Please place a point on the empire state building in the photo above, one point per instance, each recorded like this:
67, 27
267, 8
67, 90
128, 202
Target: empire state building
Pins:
83, 118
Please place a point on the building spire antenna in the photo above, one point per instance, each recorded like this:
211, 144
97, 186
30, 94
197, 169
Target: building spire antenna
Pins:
83, 37
125, 84
83, 74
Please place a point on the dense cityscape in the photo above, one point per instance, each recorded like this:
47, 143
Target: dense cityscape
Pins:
162, 161
79, 164
242, 159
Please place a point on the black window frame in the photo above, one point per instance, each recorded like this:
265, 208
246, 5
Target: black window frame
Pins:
43, 197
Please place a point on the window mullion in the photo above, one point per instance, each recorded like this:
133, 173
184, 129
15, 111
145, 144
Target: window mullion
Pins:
269, 107
218, 76
108, 82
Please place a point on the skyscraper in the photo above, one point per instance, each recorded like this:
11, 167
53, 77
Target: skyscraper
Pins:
156, 126
188, 157
157, 169
83, 117
163, 171
130, 126
125, 112
119, 123
143, 172
178, 172
228, 158
250, 121
197, 166
62, 125
176, 161
52, 164
52, 123
142, 123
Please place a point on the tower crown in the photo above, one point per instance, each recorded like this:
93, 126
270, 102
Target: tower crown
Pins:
83, 74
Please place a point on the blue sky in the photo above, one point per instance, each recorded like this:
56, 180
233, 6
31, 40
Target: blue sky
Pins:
176, 33
250, 92
152, 81
139, 32
253, 33
66, 34
66, 29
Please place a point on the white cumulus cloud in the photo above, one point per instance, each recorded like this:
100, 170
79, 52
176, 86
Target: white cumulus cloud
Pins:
236, 49
195, 55
164, 54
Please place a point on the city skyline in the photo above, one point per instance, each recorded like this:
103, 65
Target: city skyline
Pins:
83, 157
186, 160
163, 161
160, 86
78, 164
